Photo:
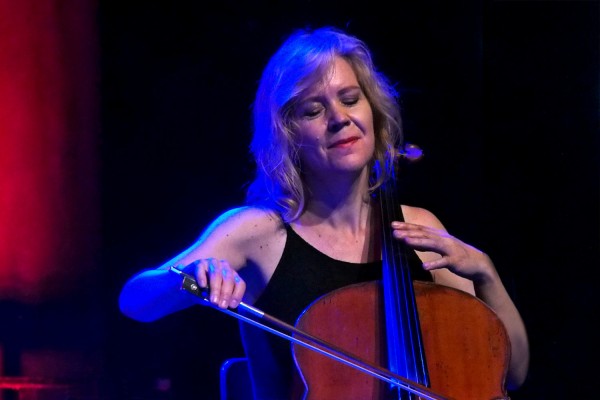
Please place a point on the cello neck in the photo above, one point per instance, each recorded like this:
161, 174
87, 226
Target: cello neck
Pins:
406, 356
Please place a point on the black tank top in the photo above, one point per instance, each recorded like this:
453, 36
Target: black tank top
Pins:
303, 275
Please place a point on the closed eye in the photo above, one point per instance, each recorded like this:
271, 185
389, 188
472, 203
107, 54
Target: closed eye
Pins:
350, 101
310, 111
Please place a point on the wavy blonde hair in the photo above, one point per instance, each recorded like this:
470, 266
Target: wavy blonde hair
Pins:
304, 59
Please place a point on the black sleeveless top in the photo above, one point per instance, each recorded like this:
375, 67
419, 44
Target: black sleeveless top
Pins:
302, 275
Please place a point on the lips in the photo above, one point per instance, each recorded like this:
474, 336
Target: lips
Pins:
343, 142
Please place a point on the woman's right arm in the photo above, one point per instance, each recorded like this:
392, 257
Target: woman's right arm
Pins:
152, 294
223, 249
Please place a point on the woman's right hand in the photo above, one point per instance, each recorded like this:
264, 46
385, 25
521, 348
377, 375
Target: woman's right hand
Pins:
226, 287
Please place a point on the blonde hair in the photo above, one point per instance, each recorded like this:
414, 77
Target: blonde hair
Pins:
304, 58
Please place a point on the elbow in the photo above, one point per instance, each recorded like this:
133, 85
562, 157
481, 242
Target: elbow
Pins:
518, 377
132, 309
518, 370
515, 381
149, 296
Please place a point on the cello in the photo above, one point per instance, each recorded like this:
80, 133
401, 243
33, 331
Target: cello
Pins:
391, 339
433, 335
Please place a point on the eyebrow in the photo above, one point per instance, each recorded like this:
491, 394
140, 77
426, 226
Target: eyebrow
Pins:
342, 91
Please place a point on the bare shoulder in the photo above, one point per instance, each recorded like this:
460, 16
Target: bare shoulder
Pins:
258, 219
243, 225
238, 235
421, 216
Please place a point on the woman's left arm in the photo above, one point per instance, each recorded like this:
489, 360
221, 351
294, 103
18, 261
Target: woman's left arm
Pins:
457, 264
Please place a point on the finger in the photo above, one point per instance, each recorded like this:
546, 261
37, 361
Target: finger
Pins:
199, 272
403, 234
414, 230
215, 280
423, 244
228, 277
418, 239
438, 263
408, 226
238, 291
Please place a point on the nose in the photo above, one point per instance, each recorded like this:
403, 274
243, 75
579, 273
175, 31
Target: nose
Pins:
338, 118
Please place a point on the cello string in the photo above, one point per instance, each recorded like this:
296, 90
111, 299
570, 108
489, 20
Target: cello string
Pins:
394, 317
414, 360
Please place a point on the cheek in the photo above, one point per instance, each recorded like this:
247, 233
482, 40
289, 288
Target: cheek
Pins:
369, 133
309, 148
308, 134
366, 119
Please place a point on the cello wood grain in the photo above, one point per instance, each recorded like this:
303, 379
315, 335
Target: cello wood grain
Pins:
466, 344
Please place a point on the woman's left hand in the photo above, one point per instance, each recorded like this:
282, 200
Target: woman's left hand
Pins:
459, 257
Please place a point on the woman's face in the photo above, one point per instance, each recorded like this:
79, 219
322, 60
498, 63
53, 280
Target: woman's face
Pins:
334, 124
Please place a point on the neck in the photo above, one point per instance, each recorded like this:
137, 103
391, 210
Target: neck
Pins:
343, 202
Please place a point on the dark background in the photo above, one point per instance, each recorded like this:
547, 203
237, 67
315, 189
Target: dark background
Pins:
501, 95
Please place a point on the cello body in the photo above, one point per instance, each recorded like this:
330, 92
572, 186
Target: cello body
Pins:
466, 345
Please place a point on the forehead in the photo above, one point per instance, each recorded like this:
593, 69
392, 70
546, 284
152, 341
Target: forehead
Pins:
339, 74
341, 70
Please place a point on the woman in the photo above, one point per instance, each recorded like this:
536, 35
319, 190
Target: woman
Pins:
326, 126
